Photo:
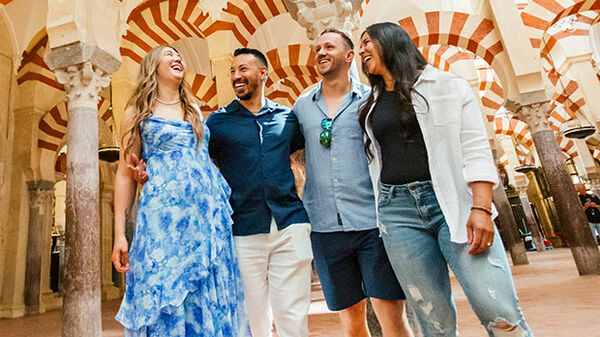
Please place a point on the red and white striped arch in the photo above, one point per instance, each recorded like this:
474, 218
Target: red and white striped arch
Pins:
244, 17
292, 70
559, 115
487, 78
539, 15
53, 126
466, 31
567, 93
161, 22
525, 155
492, 95
442, 57
513, 127
33, 67
582, 23
567, 146
205, 90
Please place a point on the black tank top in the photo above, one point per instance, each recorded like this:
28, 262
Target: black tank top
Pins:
403, 160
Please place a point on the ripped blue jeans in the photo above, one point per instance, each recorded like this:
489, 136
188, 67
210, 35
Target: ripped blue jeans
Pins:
417, 241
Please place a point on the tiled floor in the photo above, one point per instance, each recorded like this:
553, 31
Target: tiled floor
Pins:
556, 302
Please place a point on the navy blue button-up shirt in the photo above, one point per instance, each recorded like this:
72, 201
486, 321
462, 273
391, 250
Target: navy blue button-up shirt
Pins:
253, 153
338, 193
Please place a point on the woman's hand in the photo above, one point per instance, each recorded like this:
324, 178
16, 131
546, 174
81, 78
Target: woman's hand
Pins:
120, 255
138, 169
480, 231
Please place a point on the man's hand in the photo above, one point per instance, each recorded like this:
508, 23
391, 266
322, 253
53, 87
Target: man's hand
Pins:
138, 169
480, 231
120, 255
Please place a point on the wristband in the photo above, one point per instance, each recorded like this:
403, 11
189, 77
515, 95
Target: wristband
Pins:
482, 208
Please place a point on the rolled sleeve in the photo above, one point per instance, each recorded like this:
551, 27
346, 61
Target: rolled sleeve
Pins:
478, 164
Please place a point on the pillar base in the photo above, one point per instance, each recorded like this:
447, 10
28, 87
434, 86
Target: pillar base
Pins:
51, 301
12, 311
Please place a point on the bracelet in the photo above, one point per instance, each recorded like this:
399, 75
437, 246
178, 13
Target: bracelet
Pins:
482, 208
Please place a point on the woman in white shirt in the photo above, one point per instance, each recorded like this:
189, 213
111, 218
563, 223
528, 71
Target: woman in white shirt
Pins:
433, 172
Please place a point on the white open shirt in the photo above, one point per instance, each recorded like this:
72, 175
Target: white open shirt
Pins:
457, 145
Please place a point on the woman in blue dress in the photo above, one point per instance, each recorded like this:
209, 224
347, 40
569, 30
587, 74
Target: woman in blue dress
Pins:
182, 276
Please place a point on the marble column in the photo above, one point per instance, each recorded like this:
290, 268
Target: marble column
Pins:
538, 240
40, 220
571, 215
109, 291
506, 219
84, 70
508, 227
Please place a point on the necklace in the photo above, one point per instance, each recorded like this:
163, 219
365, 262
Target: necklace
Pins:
169, 103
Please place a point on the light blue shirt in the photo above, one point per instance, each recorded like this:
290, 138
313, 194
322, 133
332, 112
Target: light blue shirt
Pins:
338, 194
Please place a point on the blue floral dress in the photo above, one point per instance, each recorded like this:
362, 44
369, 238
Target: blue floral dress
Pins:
184, 278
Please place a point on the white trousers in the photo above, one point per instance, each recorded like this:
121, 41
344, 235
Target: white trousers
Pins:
276, 271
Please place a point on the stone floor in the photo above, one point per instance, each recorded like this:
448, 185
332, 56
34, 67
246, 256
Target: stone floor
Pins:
555, 300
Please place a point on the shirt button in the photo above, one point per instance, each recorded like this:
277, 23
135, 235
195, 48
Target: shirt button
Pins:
338, 200
335, 180
333, 159
332, 138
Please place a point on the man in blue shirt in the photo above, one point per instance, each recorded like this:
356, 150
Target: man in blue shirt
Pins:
251, 140
338, 195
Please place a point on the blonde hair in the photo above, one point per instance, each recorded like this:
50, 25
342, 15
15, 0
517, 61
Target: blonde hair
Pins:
145, 93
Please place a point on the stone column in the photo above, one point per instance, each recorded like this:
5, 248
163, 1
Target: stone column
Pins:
508, 227
109, 291
220, 52
538, 240
221, 65
584, 162
40, 217
84, 70
571, 215
506, 218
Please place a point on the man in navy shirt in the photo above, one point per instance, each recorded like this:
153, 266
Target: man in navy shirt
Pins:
251, 140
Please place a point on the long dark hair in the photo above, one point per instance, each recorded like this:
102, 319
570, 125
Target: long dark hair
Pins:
405, 62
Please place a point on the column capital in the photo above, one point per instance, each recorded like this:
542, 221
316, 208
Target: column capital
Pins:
317, 15
84, 69
83, 83
535, 115
77, 53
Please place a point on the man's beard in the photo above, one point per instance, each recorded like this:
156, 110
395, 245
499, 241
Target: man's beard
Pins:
333, 69
251, 90
247, 96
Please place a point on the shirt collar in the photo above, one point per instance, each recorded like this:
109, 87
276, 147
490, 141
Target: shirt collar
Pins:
354, 89
236, 106
428, 74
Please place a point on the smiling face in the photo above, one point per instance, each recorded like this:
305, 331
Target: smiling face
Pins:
248, 75
332, 54
370, 56
170, 66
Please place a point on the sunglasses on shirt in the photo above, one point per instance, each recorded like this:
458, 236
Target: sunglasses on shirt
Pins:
325, 136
